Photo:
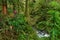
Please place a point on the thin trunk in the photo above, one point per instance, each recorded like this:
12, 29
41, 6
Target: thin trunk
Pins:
26, 8
27, 12
4, 6
18, 6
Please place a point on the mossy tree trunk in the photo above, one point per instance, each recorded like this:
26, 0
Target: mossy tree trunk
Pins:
27, 14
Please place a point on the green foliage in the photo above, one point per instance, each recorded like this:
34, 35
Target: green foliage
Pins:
21, 27
56, 19
45, 12
54, 4
49, 18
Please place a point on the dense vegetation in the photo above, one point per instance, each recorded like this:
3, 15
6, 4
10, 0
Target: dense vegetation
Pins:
17, 17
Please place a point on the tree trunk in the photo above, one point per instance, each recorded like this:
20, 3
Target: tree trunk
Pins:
27, 11
4, 6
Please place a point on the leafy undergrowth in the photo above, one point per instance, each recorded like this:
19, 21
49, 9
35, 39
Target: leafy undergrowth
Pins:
17, 28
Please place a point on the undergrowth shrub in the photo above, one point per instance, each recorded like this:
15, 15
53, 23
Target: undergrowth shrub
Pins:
24, 31
49, 19
54, 19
